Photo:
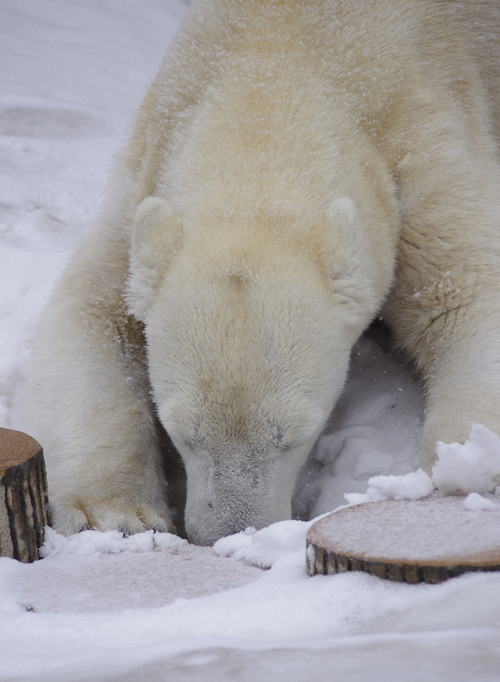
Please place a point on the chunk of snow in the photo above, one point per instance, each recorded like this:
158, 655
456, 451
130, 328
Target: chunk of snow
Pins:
265, 547
473, 467
412, 486
476, 502
90, 542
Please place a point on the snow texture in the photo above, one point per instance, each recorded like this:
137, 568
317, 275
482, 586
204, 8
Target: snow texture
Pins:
471, 467
476, 502
102, 607
412, 486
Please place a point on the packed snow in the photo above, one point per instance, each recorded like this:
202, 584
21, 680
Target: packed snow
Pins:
412, 486
471, 467
476, 502
103, 607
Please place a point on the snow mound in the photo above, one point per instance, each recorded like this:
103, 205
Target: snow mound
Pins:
473, 467
264, 548
90, 542
476, 502
412, 486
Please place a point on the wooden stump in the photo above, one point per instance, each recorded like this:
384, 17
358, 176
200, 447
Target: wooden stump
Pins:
23, 496
428, 540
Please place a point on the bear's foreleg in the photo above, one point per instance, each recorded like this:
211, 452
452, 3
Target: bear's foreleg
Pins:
462, 375
91, 407
445, 310
444, 306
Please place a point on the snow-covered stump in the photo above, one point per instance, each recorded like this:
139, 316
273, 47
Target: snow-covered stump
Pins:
427, 540
23, 496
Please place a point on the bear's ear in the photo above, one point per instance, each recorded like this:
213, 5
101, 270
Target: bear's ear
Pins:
156, 235
343, 242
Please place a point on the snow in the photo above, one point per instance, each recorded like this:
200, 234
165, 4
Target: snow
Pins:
412, 486
476, 502
91, 571
102, 607
267, 546
471, 467
374, 430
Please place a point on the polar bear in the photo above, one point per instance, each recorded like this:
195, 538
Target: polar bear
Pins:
296, 169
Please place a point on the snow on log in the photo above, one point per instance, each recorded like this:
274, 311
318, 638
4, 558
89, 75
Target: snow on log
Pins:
427, 540
23, 496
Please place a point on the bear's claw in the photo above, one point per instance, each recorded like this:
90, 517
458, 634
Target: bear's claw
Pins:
112, 514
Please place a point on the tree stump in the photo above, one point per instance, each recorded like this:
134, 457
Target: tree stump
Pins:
428, 540
23, 496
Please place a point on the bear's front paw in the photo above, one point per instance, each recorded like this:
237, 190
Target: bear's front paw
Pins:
109, 514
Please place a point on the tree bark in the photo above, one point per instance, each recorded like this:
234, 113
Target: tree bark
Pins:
23, 496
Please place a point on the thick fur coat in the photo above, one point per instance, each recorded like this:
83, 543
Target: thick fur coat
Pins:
296, 168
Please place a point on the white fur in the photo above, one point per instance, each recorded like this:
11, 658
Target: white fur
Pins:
295, 168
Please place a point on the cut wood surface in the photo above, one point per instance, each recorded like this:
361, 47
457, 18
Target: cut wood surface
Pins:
428, 540
23, 496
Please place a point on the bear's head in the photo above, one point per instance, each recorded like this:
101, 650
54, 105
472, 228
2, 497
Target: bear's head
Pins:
249, 334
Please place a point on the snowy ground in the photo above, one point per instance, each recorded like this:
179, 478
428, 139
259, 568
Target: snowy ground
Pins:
101, 607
